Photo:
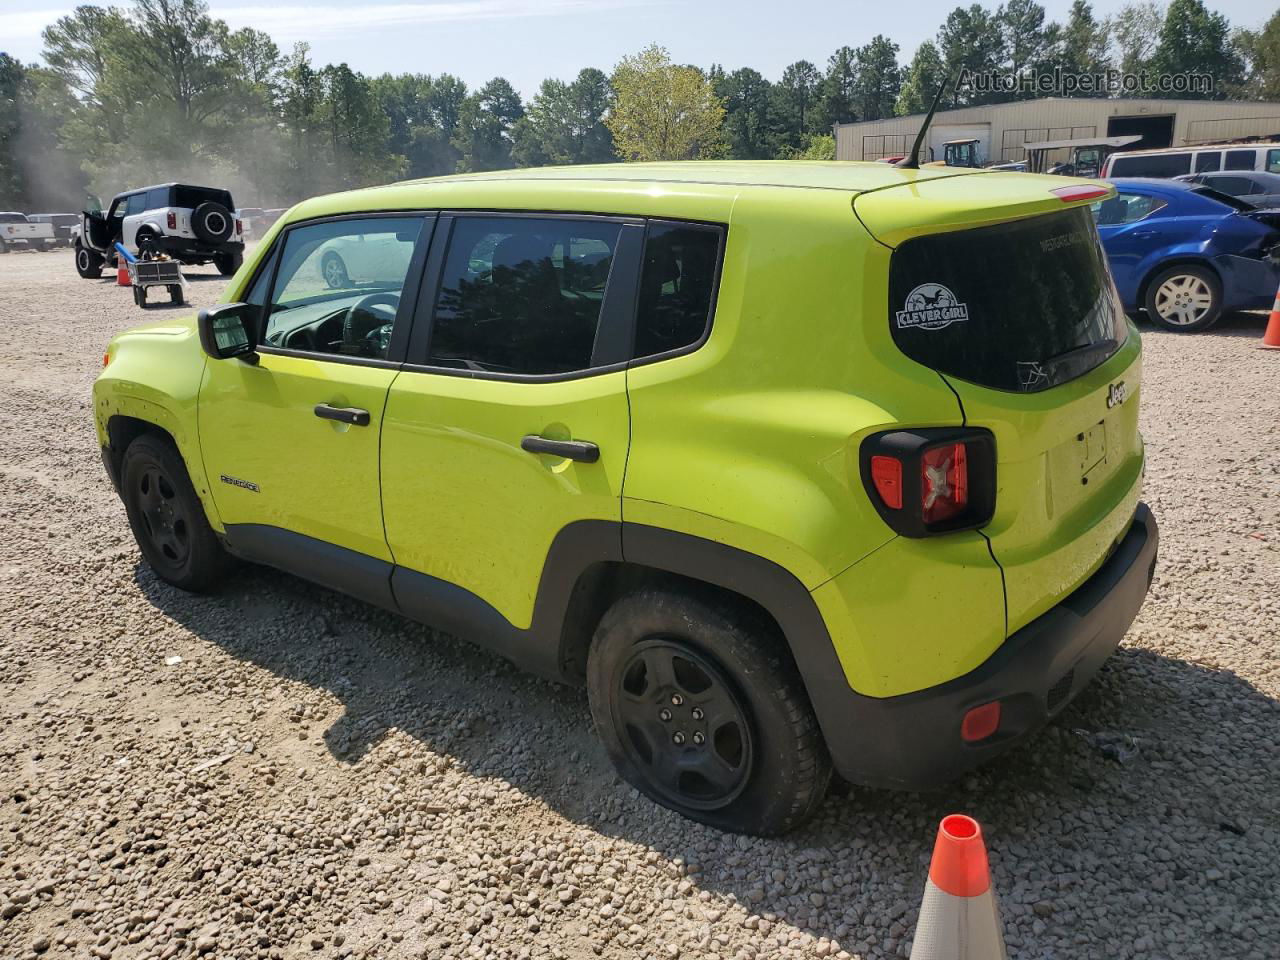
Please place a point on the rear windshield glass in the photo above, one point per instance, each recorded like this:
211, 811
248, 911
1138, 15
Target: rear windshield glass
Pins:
1235, 203
1020, 306
194, 196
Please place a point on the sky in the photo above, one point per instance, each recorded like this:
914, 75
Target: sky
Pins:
528, 40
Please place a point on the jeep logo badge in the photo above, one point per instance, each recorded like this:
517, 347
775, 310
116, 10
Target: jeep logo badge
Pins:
1116, 394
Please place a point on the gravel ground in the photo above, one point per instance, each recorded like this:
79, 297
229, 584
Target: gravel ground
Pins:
320, 778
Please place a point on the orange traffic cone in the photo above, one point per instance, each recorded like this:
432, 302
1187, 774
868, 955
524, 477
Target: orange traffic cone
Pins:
959, 918
122, 274
1271, 339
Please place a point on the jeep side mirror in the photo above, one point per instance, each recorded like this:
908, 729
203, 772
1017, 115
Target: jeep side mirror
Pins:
227, 331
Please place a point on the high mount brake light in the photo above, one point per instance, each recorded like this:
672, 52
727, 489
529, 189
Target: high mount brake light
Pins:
1080, 191
932, 480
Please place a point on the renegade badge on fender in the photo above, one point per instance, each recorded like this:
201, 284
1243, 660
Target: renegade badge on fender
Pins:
759, 452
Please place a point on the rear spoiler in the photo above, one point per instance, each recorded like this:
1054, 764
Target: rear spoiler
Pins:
896, 214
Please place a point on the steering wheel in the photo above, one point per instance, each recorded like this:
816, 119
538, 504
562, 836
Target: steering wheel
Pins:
366, 329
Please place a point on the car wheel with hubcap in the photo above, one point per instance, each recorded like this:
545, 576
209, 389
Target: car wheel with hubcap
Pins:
334, 271
1185, 298
88, 262
166, 516
701, 709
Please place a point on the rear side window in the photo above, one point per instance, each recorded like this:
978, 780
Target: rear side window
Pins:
12, 218
1126, 208
1273, 161
1048, 315
1239, 160
137, 204
1236, 186
157, 197
1209, 162
192, 197
522, 295
1152, 165
677, 286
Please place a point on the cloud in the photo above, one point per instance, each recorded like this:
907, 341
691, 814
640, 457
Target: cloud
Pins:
298, 21
20, 32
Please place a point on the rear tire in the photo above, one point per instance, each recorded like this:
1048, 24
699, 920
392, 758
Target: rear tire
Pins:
167, 518
1185, 298
147, 244
88, 262
334, 271
228, 263
700, 709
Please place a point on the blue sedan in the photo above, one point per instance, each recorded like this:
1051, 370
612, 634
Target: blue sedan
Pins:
1185, 253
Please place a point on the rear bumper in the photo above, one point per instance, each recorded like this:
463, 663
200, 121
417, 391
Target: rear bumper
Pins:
190, 247
913, 741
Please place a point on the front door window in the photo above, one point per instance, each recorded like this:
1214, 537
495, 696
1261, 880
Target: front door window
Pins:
339, 284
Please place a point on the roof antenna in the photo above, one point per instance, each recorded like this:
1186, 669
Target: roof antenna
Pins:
912, 160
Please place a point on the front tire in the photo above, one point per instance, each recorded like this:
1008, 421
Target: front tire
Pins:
1186, 298
167, 518
700, 709
228, 263
88, 262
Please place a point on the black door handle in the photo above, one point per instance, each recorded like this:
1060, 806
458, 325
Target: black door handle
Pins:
580, 450
352, 415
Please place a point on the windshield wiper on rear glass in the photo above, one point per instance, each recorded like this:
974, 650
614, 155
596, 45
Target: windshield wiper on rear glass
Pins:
1084, 352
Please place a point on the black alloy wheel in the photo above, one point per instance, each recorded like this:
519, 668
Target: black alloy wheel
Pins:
684, 726
163, 516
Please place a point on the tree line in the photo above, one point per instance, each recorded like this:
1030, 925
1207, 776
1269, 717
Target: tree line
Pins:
165, 91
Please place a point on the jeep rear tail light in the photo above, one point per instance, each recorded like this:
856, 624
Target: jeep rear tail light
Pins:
239, 226
172, 220
932, 480
944, 482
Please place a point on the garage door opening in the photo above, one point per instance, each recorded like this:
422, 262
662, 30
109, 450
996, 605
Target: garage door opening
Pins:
1156, 132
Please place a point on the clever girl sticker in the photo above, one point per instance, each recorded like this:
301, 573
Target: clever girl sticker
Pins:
931, 306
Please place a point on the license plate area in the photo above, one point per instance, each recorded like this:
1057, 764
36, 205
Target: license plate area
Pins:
1093, 450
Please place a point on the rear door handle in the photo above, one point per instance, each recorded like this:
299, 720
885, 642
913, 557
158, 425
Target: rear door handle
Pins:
580, 450
352, 415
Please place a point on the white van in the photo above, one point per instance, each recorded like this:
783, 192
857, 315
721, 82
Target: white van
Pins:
1178, 161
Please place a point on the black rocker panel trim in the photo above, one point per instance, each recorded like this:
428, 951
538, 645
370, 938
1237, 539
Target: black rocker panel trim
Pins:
347, 571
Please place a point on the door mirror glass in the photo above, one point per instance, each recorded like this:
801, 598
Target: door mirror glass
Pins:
227, 331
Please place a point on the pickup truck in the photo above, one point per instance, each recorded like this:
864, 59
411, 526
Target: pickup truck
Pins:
16, 228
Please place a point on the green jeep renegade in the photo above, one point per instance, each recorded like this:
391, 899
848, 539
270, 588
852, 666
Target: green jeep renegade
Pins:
799, 467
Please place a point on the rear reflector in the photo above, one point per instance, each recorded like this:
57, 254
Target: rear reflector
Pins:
980, 722
886, 474
1080, 191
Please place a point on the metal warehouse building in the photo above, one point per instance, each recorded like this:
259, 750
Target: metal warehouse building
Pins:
1002, 128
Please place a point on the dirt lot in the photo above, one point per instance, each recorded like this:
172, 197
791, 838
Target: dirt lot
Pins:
319, 778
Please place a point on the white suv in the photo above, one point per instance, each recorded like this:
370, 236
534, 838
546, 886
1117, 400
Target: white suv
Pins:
191, 224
